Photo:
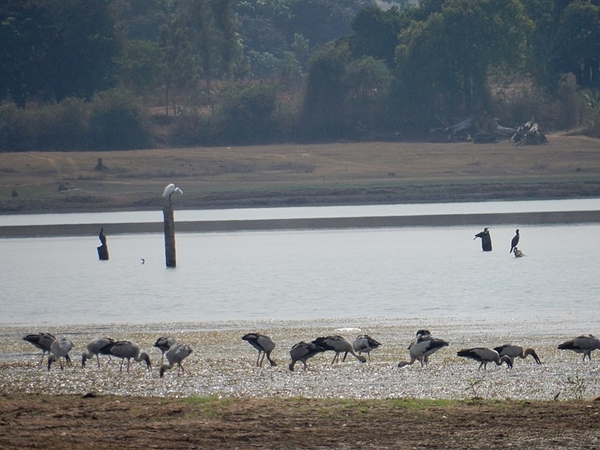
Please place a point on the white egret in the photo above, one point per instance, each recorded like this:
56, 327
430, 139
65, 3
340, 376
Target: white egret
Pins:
170, 190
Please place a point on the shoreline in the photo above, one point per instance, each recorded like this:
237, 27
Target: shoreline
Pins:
443, 220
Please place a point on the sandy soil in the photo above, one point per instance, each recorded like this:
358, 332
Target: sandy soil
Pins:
123, 422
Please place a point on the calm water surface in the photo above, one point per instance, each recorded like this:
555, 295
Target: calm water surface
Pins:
402, 272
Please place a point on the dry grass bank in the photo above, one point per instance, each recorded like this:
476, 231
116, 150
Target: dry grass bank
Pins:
284, 175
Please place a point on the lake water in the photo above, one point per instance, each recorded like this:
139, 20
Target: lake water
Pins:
302, 275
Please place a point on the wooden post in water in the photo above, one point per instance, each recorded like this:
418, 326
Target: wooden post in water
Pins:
103, 249
170, 256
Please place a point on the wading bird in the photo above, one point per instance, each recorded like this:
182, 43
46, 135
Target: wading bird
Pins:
514, 242
484, 356
126, 350
422, 347
582, 344
365, 344
60, 349
170, 190
94, 348
516, 351
43, 341
263, 344
303, 351
164, 343
176, 354
338, 344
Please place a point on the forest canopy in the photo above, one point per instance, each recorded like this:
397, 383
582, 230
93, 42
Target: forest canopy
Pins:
108, 74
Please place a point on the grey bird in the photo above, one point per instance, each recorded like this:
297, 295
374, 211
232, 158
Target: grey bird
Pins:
176, 354
60, 349
485, 356
164, 343
126, 350
582, 344
95, 348
365, 344
422, 347
518, 253
264, 345
303, 351
514, 242
43, 341
516, 351
339, 345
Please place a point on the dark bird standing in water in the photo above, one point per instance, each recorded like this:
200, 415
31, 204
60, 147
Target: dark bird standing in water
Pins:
514, 242
486, 240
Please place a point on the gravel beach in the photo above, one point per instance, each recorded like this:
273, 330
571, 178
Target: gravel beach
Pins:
223, 365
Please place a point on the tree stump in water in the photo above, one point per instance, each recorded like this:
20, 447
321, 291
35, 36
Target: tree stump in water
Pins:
103, 249
486, 240
170, 254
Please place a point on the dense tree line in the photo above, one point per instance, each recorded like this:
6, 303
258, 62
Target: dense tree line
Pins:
79, 74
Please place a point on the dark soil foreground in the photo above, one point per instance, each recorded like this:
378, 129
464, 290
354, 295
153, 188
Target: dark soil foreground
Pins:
134, 422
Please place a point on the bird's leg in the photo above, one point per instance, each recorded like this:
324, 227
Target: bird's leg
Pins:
260, 359
98, 359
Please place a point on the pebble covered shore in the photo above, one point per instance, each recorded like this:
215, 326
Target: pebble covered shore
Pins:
223, 365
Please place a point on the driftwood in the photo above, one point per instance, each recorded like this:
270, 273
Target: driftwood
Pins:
483, 130
529, 134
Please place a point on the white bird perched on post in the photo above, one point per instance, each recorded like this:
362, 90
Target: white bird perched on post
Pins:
176, 354
170, 190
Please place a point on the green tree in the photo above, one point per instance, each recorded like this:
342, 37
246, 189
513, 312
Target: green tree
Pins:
57, 49
376, 33
579, 34
451, 52
324, 107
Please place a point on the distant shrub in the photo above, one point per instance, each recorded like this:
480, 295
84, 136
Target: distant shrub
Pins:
117, 122
13, 129
247, 115
60, 126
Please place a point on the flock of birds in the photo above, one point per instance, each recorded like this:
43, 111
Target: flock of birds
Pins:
59, 349
423, 346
